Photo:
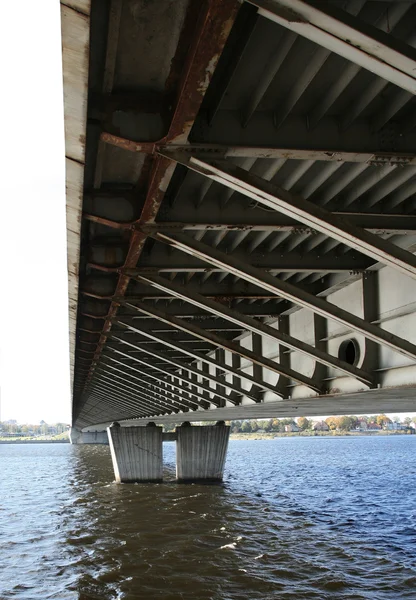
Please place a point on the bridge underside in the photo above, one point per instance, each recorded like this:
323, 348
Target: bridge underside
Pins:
241, 182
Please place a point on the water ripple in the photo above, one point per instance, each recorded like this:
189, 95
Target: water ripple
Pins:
296, 518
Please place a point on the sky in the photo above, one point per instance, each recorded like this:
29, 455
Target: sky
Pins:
34, 352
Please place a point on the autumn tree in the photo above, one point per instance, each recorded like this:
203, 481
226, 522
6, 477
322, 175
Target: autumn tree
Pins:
304, 423
345, 423
382, 420
276, 425
332, 423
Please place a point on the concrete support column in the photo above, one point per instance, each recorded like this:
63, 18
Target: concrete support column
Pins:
75, 436
94, 437
200, 452
136, 453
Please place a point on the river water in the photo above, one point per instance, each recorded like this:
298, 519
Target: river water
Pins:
296, 518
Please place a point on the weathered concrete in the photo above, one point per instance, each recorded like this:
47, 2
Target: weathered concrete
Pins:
200, 452
87, 437
94, 437
75, 436
136, 453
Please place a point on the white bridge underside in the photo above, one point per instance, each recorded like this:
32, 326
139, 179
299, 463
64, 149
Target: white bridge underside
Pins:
241, 194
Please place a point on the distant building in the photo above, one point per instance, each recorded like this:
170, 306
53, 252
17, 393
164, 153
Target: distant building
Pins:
373, 426
362, 426
320, 426
291, 427
394, 426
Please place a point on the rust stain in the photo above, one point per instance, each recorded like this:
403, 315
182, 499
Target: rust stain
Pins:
202, 55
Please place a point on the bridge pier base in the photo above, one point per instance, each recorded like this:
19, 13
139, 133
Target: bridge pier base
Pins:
94, 437
201, 452
75, 436
136, 453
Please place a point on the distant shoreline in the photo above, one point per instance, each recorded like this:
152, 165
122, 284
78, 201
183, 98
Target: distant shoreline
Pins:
275, 434
21, 441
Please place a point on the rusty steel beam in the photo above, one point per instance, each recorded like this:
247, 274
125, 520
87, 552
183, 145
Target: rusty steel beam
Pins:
107, 222
147, 296
393, 224
222, 151
376, 223
203, 54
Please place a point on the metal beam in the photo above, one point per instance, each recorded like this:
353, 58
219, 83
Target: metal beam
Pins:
161, 398
145, 379
192, 391
223, 151
233, 347
142, 398
386, 22
290, 292
133, 394
374, 222
200, 357
125, 401
256, 326
101, 399
159, 261
347, 36
132, 402
184, 366
308, 213
294, 134
204, 50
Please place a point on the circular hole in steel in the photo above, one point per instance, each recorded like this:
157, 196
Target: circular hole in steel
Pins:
349, 351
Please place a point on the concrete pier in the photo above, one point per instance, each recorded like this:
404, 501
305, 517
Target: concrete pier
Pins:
136, 453
78, 437
75, 436
201, 452
94, 437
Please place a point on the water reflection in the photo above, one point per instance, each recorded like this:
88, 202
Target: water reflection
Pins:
295, 518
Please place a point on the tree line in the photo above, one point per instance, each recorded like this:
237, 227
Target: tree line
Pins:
43, 428
339, 423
